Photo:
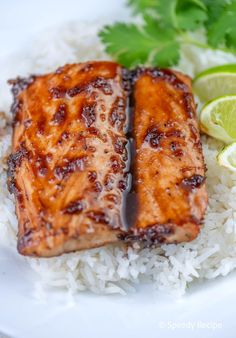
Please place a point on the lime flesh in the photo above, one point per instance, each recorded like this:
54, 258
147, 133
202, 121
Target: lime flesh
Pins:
218, 118
214, 82
227, 157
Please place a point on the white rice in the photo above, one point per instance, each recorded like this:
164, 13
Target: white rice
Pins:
114, 269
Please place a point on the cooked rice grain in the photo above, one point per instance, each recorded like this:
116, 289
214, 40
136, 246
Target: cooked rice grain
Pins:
116, 269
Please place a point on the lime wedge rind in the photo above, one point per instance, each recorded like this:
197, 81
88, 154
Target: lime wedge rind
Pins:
210, 126
214, 82
228, 69
227, 157
217, 87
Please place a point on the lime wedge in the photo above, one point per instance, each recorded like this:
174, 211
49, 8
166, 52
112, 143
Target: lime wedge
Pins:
227, 157
218, 118
216, 81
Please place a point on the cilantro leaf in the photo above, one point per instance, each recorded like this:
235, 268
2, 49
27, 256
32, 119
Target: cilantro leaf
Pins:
222, 31
126, 43
167, 26
179, 14
142, 6
190, 14
132, 45
182, 14
214, 9
167, 50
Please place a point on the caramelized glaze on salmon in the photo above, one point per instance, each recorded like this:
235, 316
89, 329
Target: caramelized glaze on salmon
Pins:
68, 165
71, 162
169, 171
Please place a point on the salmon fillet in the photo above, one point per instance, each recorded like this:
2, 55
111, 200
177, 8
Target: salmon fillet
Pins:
169, 196
88, 170
68, 166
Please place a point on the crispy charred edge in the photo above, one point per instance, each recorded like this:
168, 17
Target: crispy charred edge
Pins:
149, 236
24, 240
131, 76
98, 82
174, 78
33, 237
34, 241
193, 182
158, 234
129, 79
29, 245
18, 85
14, 161
27, 242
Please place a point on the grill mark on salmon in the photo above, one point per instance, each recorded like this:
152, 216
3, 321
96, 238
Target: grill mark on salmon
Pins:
86, 173
168, 196
72, 152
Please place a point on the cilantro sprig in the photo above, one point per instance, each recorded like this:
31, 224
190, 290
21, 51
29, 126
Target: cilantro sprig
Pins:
167, 25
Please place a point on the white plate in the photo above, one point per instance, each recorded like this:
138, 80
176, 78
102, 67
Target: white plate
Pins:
207, 310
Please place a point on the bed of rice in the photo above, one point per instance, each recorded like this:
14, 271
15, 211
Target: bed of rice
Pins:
116, 269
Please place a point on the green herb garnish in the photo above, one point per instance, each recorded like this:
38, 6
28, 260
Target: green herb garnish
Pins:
166, 26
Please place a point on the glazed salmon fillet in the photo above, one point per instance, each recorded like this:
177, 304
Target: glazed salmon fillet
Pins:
68, 163
101, 154
169, 173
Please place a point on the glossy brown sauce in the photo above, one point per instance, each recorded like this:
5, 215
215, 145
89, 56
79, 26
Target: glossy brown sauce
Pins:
134, 150
130, 200
153, 137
